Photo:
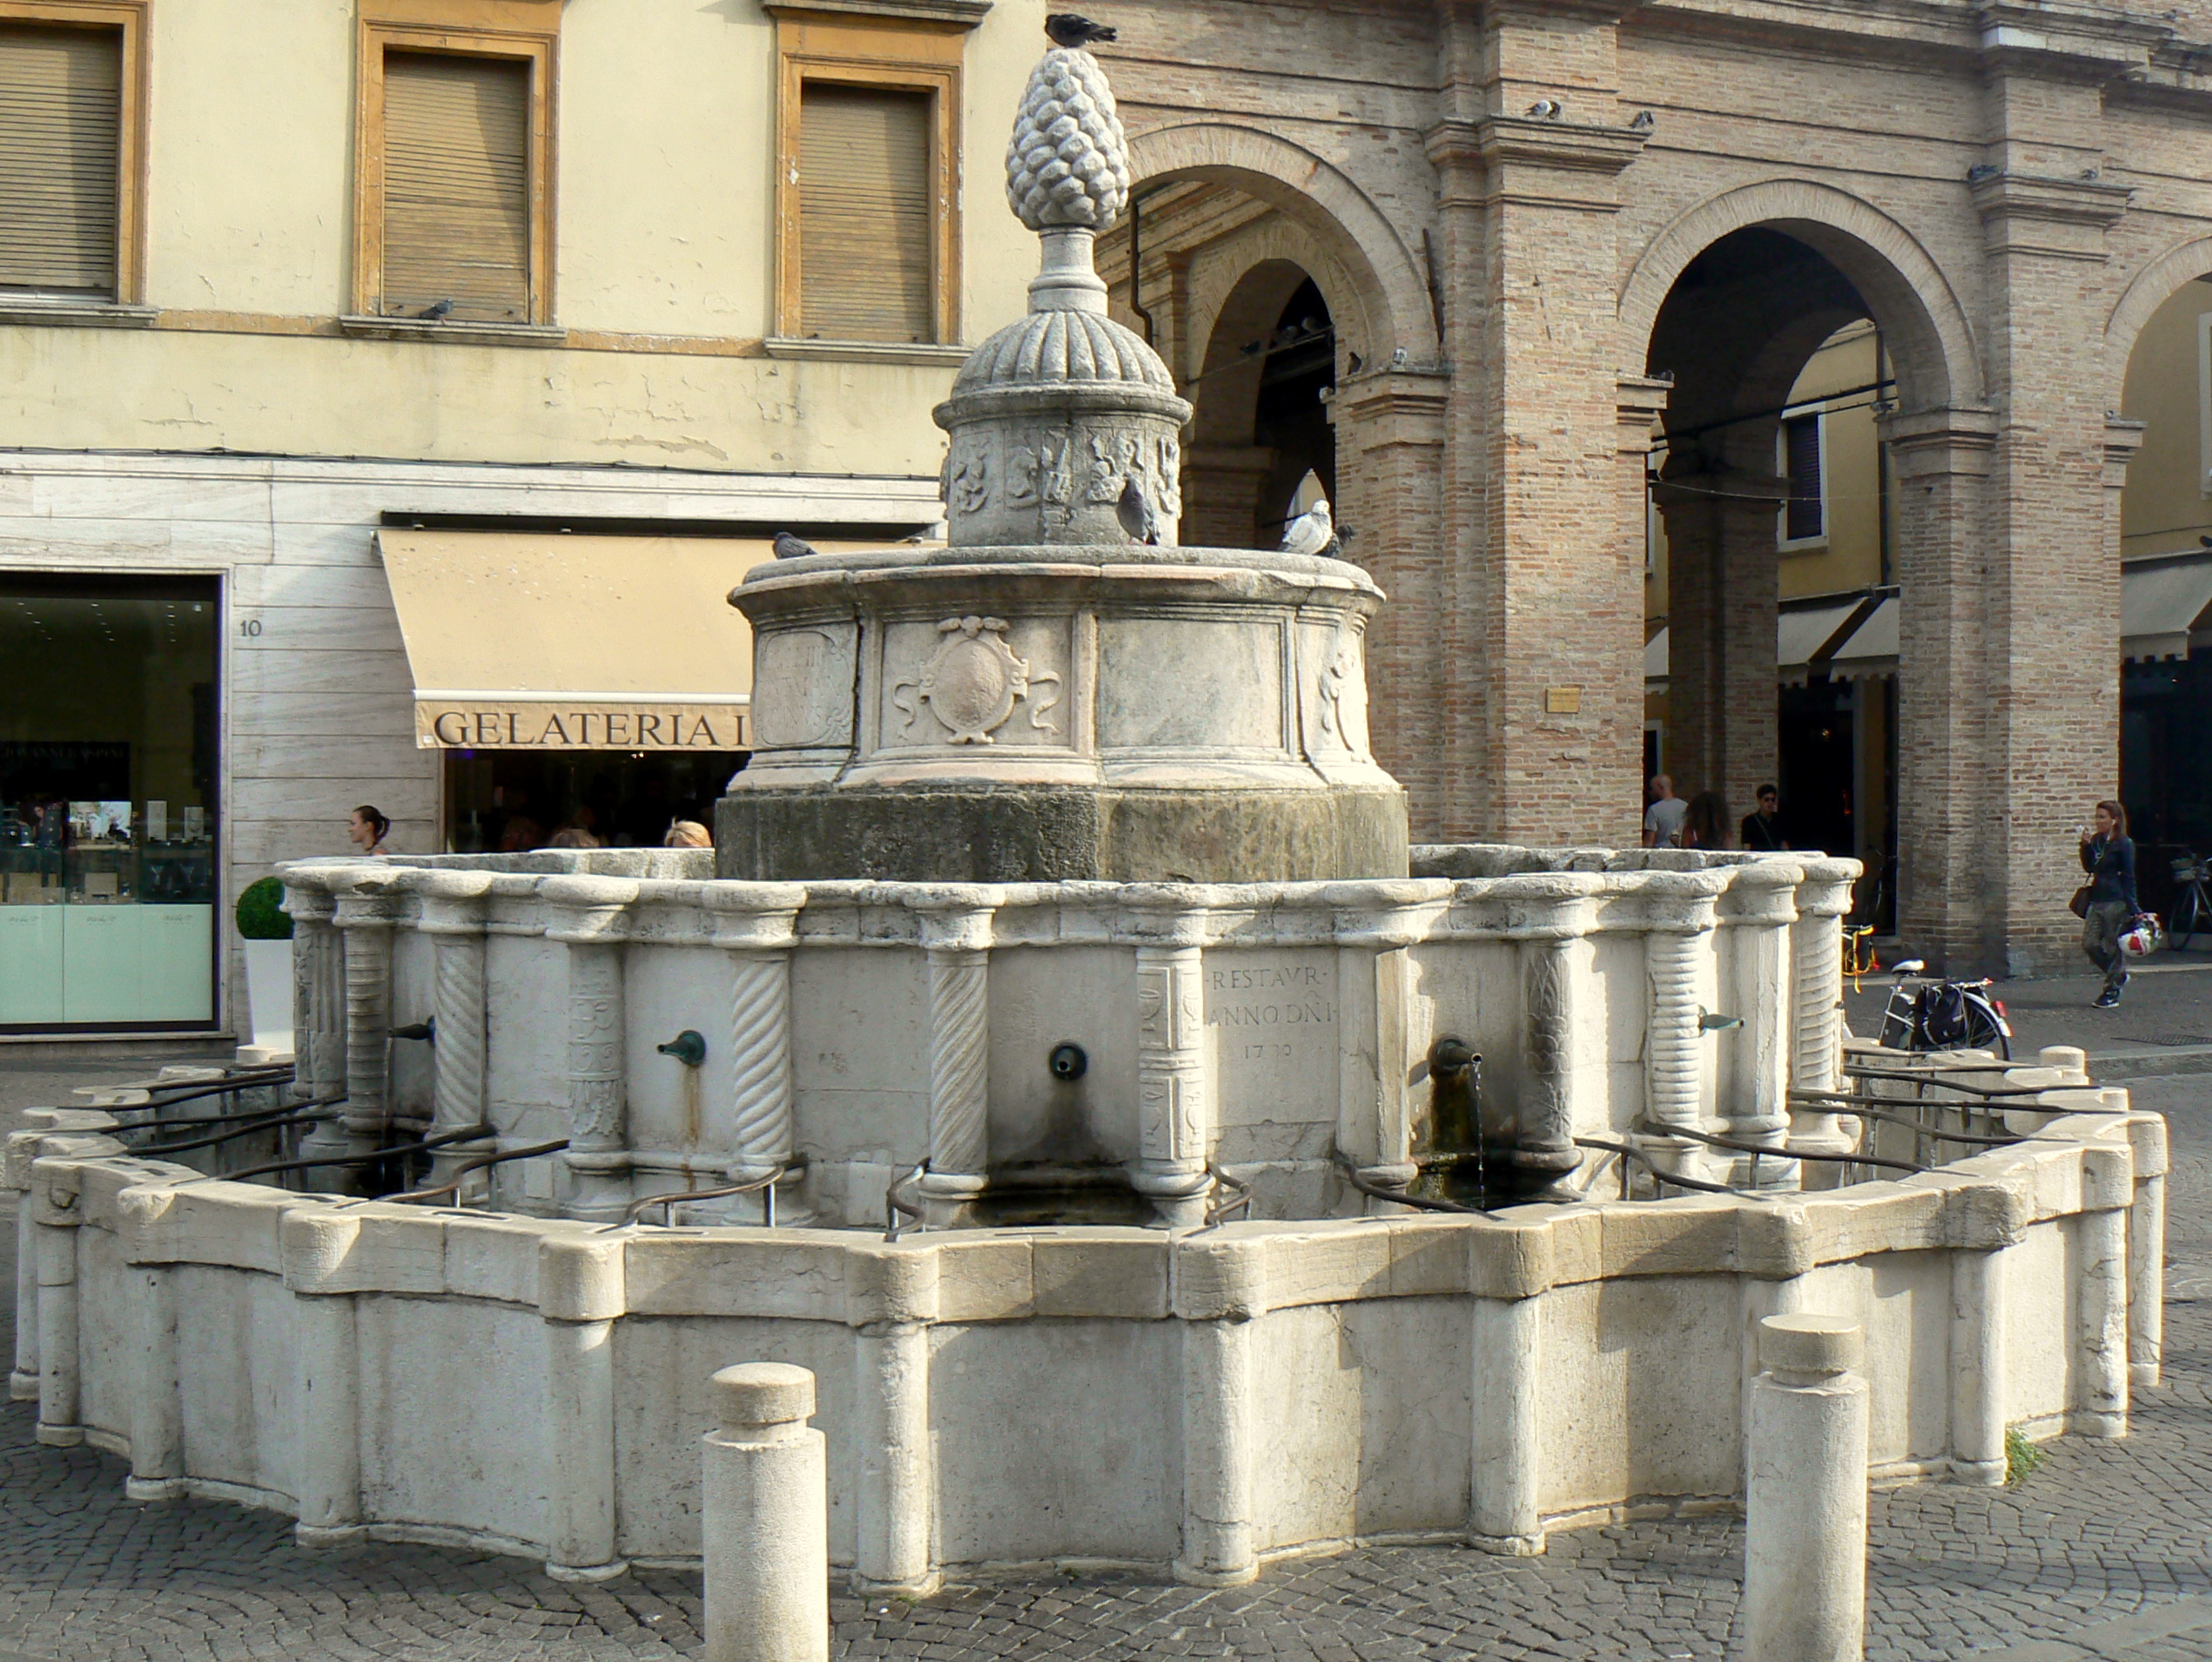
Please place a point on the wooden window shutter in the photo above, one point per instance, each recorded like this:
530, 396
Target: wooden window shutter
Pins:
456, 186
1804, 517
61, 142
866, 214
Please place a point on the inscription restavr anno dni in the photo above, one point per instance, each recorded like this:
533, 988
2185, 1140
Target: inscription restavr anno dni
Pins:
1309, 1006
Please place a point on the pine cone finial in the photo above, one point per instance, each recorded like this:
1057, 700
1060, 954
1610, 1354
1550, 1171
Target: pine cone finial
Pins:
1068, 162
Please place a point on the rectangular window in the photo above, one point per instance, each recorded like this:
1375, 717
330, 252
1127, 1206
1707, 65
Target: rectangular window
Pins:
867, 241
454, 220
864, 213
1805, 518
69, 148
108, 795
456, 187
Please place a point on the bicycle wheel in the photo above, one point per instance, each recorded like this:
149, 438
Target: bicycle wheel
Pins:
1983, 1033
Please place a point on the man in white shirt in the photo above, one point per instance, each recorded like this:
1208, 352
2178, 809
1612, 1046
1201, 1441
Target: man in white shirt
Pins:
1662, 819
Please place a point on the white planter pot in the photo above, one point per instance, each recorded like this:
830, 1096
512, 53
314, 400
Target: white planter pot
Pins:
268, 993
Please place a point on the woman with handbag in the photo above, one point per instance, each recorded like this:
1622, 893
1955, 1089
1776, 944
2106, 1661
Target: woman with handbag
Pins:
2107, 903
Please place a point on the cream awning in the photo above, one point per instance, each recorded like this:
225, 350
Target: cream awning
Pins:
531, 641
1871, 649
1799, 632
2160, 601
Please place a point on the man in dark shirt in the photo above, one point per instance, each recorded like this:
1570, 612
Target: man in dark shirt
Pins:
1762, 832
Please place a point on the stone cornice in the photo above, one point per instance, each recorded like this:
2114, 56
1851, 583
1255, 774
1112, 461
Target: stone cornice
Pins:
2054, 201
964, 13
1561, 147
2066, 39
1603, 12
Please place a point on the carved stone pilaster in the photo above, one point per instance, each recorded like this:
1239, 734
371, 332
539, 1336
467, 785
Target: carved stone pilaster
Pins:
1756, 910
367, 907
1551, 914
318, 999
589, 915
753, 925
955, 933
455, 912
1374, 981
1175, 1096
1816, 1006
1679, 912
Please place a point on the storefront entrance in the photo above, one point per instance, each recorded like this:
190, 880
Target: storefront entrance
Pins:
512, 801
108, 764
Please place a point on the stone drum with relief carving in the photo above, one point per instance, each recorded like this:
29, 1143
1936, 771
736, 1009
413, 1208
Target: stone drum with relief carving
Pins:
1045, 698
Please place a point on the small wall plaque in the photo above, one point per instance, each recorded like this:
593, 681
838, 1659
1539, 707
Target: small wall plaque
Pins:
1563, 700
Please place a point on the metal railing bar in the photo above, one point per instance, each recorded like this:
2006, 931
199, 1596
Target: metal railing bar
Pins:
281, 1123
1933, 1076
894, 1208
764, 1186
468, 1134
1239, 1198
204, 1088
1659, 1174
1398, 1196
1777, 1154
164, 1125
462, 1171
1937, 1131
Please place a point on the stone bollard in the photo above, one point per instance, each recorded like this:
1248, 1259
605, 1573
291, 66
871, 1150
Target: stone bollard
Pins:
1804, 1537
764, 1520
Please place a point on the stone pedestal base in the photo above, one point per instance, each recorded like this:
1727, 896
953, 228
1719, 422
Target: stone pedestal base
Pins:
1061, 833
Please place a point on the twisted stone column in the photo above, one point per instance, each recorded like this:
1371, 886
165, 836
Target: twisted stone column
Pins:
755, 924
1174, 1097
1823, 899
1679, 908
1549, 915
318, 1002
588, 916
955, 933
454, 912
367, 907
1756, 911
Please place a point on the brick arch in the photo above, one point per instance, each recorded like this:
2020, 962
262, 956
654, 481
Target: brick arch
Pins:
1388, 295
1276, 240
2151, 288
1933, 345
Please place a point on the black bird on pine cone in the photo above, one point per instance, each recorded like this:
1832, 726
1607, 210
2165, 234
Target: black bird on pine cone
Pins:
1066, 29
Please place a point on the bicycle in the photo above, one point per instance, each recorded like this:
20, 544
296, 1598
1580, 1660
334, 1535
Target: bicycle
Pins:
1858, 960
2193, 907
1928, 1014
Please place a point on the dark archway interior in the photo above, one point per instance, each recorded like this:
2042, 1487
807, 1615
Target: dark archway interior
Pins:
1736, 333
1290, 416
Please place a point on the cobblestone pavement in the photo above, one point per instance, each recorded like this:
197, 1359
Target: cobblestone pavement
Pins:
2106, 1552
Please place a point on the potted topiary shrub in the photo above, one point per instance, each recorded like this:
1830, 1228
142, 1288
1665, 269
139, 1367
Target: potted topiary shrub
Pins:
266, 928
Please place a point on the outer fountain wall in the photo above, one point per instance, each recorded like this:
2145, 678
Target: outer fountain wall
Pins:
1211, 1398
868, 1027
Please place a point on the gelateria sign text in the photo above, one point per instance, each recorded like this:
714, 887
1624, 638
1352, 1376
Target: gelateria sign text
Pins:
578, 725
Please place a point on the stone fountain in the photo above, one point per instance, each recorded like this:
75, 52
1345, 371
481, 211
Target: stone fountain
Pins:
1047, 698
1114, 892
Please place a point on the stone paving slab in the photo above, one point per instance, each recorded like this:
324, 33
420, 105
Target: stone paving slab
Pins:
2105, 1552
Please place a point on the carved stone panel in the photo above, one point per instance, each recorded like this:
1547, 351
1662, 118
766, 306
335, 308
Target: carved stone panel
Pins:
1332, 668
976, 681
802, 687
1196, 683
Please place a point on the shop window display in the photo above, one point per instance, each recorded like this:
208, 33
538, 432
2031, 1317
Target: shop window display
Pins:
108, 773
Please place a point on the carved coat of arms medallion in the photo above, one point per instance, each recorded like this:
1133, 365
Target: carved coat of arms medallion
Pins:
973, 681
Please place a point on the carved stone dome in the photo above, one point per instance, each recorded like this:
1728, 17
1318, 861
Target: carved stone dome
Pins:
1056, 348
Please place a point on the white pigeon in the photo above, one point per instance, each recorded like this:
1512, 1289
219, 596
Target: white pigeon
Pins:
1311, 531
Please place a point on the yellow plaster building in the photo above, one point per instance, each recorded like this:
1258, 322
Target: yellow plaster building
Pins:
324, 322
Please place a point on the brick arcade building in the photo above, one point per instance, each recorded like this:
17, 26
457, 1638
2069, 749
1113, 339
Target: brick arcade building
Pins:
1515, 247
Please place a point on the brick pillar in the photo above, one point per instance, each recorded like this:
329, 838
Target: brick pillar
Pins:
1940, 463
2053, 606
1543, 715
1721, 601
1389, 465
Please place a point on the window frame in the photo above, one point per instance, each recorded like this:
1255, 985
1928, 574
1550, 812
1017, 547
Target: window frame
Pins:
130, 17
891, 54
1783, 543
536, 46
